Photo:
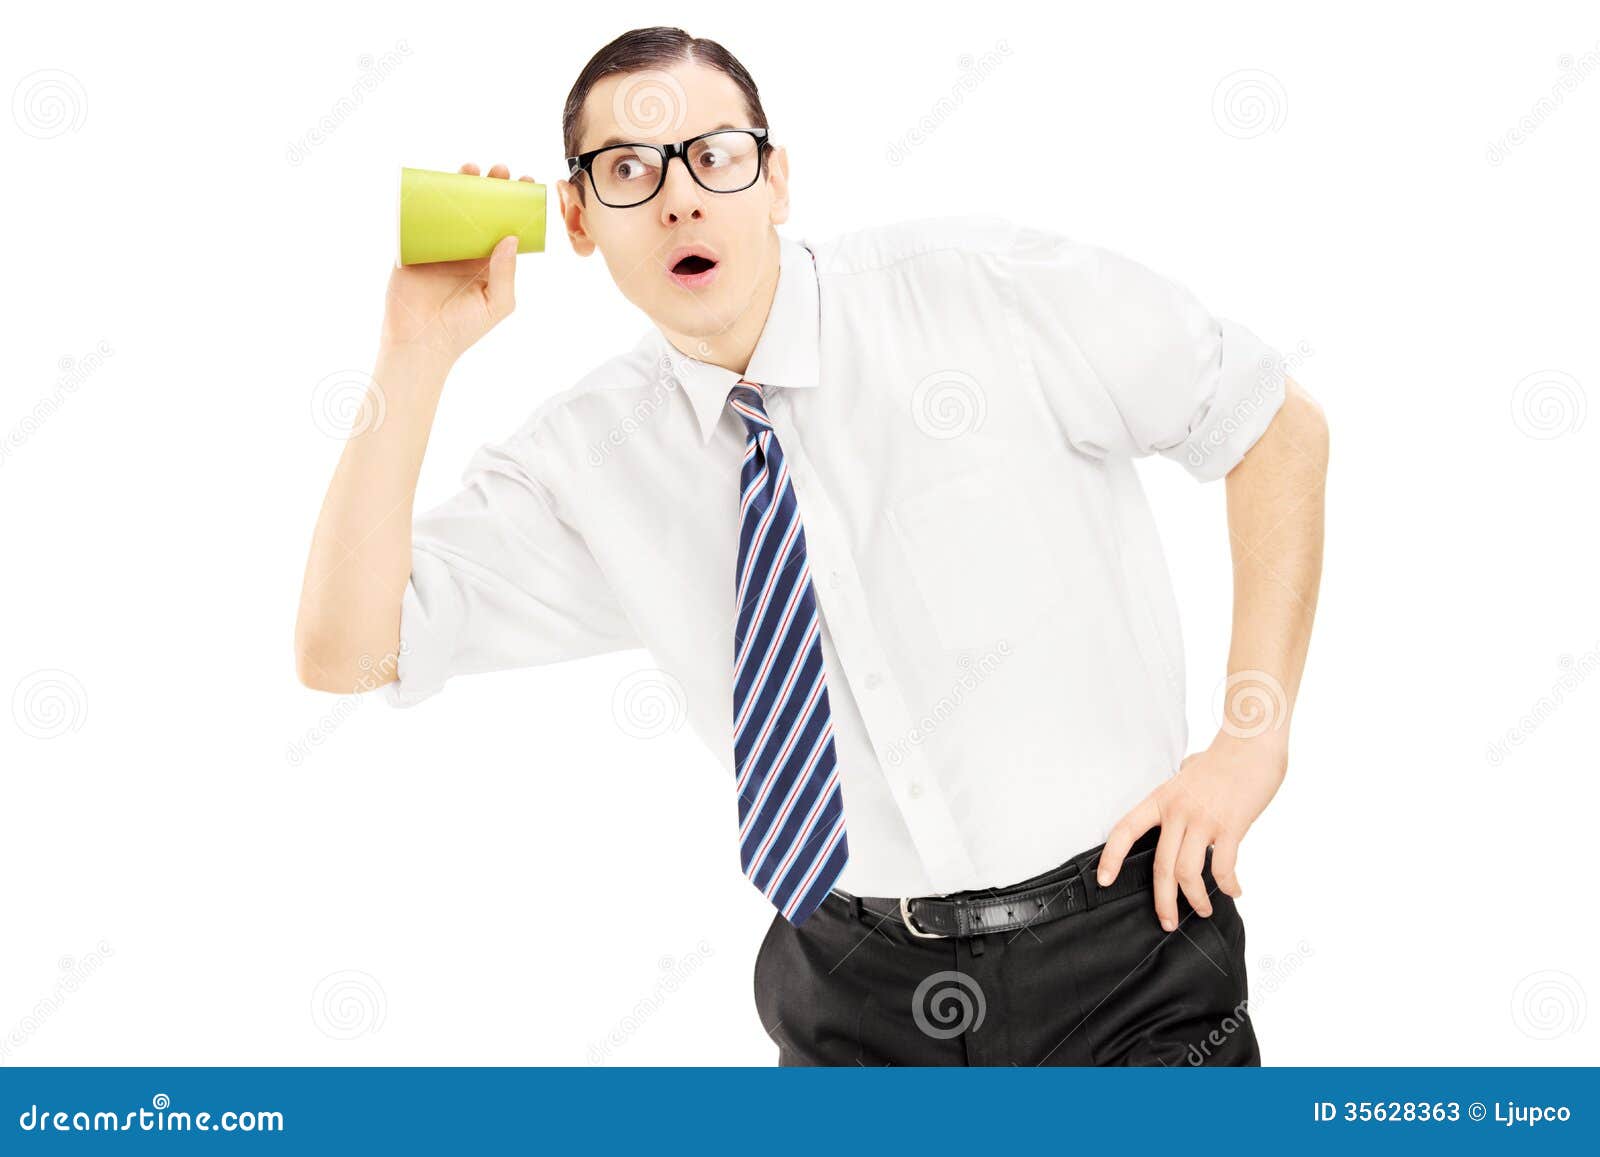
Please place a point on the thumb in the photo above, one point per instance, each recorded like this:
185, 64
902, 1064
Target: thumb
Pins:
502, 268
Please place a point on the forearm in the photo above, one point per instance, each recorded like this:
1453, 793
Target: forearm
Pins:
1275, 524
360, 559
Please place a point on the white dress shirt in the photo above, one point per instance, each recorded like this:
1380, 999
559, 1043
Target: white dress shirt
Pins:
959, 401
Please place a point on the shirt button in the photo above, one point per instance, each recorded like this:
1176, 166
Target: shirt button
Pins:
916, 790
874, 681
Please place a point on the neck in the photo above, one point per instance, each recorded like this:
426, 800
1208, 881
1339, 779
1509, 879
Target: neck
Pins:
733, 346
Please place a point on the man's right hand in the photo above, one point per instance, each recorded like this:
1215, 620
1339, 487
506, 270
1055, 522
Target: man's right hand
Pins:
439, 309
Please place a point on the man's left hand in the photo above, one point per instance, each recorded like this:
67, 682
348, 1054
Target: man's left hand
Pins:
1211, 802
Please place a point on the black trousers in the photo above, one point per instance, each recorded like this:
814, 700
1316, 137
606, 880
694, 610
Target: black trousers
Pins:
1102, 987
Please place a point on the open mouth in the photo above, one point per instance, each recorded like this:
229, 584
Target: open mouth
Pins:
692, 264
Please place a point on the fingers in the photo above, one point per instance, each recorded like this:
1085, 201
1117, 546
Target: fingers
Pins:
1128, 829
1191, 863
1224, 854
501, 172
1166, 874
502, 267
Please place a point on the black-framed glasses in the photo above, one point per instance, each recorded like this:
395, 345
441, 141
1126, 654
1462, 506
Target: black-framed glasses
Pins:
721, 161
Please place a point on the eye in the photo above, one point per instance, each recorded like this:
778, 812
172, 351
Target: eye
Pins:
627, 168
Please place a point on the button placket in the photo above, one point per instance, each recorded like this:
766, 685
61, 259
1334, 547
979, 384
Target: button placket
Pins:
926, 813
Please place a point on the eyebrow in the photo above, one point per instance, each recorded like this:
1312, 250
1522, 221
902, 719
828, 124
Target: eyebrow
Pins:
609, 141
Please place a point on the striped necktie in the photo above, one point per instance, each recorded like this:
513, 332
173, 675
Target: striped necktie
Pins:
792, 842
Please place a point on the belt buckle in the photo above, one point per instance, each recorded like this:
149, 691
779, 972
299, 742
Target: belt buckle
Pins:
905, 917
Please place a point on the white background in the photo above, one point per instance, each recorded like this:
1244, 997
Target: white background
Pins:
178, 889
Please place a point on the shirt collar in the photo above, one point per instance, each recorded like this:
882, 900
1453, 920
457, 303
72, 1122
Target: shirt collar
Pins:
785, 355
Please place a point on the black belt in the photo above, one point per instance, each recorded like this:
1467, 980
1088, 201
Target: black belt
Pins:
1064, 890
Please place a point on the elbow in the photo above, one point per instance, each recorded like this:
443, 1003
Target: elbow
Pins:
328, 662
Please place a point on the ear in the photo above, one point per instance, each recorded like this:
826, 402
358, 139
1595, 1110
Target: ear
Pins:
572, 217
778, 183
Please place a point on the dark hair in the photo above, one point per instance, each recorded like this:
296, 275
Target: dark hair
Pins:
647, 48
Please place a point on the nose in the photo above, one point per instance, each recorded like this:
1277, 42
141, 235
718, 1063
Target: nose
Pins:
681, 199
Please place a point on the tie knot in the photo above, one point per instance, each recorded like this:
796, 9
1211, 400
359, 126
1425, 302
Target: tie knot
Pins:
746, 400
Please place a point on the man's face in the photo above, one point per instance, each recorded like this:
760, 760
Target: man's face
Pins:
642, 244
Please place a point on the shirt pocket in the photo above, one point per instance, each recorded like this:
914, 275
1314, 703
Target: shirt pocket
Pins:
980, 561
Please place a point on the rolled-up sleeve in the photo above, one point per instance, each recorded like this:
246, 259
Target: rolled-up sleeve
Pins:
1131, 363
499, 580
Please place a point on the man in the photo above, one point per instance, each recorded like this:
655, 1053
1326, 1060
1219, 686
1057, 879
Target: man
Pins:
871, 501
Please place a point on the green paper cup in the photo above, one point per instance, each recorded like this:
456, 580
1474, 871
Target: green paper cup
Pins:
455, 216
